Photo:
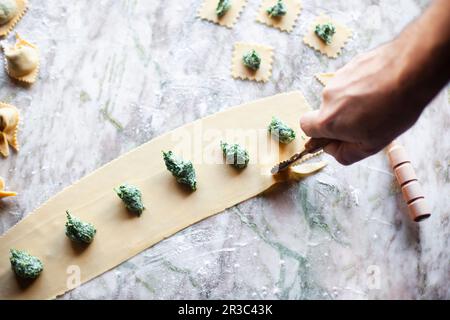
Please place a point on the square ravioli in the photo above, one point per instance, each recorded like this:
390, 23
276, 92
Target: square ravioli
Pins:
339, 39
284, 23
208, 12
240, 71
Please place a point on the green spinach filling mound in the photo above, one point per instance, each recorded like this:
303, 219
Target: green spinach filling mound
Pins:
325, 32
252, 60
25, 265
78, 230
183, 171
235, 155
131, 197
278, 10
222, 7
281, 131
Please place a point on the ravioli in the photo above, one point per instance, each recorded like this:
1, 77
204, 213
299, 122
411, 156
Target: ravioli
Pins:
11, 12
9, 123
22, 61
3, 192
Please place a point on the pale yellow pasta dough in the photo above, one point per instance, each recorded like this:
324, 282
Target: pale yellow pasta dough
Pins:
208, 12
323, 78
8, 10
22, 61
21, 8
169, 208
9, 123
284, 23
240, 71
3, 192
308, 156
339, 39
302, 170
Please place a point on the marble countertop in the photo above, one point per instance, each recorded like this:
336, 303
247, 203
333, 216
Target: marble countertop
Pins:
117, 73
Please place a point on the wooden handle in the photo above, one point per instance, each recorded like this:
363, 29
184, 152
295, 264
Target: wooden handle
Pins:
315, 144
407, 179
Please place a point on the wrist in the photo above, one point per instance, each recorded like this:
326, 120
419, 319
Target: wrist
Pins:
424, 63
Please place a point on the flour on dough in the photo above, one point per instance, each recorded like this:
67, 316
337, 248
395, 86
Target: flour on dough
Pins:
22, 6
240, 71
332, 50
9, 123
208, 12
284, 23
22, 60
3, 193
324, 78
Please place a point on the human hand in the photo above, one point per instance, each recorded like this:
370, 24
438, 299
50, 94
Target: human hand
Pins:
365, 106
380, 94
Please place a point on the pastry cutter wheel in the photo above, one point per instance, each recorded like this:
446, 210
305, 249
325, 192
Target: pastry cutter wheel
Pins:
311, 146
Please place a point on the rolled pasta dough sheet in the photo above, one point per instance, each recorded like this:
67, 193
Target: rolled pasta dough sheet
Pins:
169, 208
284, 23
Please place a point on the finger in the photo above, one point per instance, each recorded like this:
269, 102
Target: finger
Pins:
348, 153
309, 123
332, 148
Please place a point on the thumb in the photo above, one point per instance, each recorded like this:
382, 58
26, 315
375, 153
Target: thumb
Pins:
309, 123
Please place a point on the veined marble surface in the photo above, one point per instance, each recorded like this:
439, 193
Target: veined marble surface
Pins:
117, 73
